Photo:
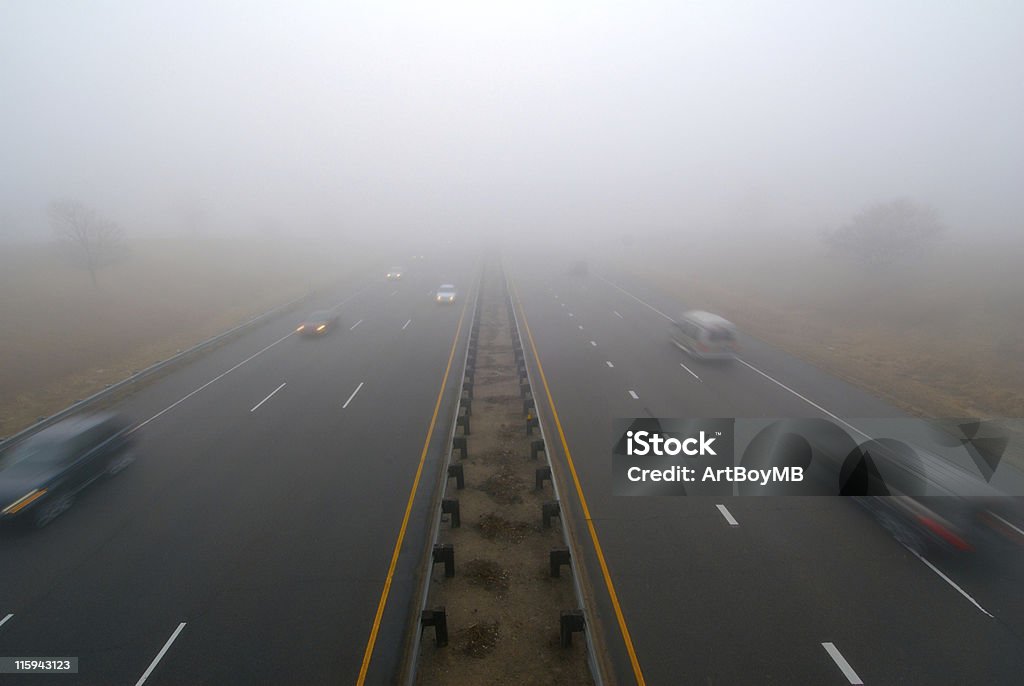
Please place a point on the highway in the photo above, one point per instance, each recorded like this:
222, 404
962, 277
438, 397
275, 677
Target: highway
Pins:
250, 540
735, 590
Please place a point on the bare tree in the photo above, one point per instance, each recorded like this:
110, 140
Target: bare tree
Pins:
94, 240
886, 234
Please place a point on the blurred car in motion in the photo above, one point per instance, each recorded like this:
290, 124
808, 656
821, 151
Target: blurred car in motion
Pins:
318, 323
395, 274
929, 504
927, 501
40, 477
445, 294
705, 335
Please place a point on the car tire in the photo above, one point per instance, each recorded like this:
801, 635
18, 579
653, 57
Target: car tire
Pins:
51, 509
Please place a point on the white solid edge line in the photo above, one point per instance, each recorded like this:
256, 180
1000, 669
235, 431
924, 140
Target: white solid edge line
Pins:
269, 396
394, 293
616, 313
4, 620
353, 395
160, 655
1009, 524
406, 324
728, 515
609, 363
741, 361
841, 662
950, 582
744, 362
650, 307
211, 381
804, 398
633, 395
355, 325
691, 371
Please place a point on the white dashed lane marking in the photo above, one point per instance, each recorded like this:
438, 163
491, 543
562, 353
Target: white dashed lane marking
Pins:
841, 662
728, 515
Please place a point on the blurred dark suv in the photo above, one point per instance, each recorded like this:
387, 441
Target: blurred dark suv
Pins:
40, 477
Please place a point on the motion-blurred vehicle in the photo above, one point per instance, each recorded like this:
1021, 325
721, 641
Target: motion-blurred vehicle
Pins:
318, 323
925, 501
40, 477
579, 268
931, 505
705, 335
395, 274
445, 294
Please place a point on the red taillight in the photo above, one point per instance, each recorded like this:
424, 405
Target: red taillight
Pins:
944, 533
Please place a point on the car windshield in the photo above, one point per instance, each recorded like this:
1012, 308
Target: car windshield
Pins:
447, 287
320, 316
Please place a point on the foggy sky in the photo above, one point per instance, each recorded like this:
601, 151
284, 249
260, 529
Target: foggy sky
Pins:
534, 117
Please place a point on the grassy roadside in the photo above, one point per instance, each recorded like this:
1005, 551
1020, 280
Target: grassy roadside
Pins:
62, 339
941, 338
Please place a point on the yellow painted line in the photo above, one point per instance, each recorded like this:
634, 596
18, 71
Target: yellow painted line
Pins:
408, 509
637, 672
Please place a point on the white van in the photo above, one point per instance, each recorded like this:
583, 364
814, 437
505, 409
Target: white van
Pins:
705, 335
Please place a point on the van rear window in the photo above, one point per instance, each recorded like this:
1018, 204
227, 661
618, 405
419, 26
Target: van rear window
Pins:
721, 334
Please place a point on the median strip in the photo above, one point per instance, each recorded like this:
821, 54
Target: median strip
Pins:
501, 590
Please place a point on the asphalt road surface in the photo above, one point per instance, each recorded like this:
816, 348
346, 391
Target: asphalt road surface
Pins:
726, 590
250, 540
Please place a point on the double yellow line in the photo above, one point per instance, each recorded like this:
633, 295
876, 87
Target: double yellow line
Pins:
368, 653
627, 640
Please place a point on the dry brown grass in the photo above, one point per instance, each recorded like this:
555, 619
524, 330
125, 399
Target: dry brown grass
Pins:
62, 340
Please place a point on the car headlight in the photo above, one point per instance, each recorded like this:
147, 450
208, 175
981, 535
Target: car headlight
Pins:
321, 327
302, 327
24, 501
